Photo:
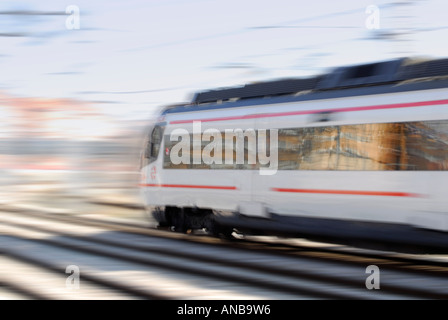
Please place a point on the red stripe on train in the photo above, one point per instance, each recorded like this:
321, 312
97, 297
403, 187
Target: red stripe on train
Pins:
296, 113
350, 192
187, 186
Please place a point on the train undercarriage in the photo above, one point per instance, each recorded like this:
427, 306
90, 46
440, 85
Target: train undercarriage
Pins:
377, 236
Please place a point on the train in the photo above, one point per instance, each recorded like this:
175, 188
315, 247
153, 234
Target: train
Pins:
357, 155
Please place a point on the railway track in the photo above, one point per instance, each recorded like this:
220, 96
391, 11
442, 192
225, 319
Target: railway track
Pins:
122, 260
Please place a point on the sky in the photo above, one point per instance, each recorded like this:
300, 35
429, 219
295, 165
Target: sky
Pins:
128, 58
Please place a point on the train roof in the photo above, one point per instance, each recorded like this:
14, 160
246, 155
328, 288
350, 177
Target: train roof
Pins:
348, 77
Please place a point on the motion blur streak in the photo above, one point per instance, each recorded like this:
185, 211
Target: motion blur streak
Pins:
81, 84
65, 143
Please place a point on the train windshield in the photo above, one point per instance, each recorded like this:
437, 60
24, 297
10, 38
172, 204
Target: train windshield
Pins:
152, 145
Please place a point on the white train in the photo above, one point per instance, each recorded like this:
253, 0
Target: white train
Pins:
358, 155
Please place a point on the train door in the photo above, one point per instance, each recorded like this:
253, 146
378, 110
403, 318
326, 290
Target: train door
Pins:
265, 173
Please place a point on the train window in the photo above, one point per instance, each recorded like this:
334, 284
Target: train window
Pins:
239, 156
421, 145
153, 144
370, 147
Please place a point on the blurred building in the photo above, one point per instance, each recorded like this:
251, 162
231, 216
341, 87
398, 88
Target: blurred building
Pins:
64, 134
